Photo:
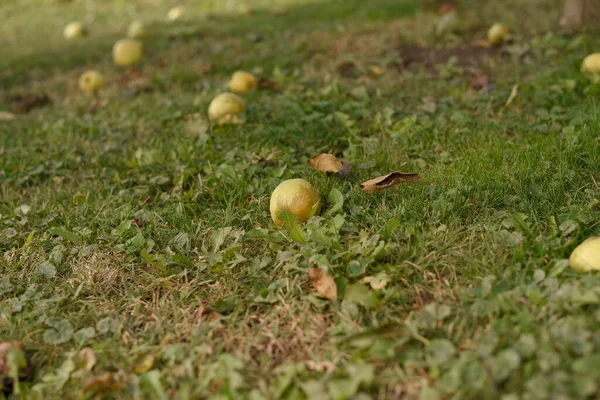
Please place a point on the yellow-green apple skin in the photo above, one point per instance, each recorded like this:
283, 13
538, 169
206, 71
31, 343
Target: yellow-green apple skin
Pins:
586, 256
296, 196
136, 30
74, 30
497, 34
127, 52
243, 82
91, 81
175, 13
226, 109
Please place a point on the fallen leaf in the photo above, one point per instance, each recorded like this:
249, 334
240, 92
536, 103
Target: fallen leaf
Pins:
323, 283
479, 82
330, 163
376, 70
267, 84
106, 382
26, 103
278, 11
348, 69
143, 364
386, 181
378, 281
482, 43
6, 116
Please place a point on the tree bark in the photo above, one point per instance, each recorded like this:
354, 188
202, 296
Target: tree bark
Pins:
580, 13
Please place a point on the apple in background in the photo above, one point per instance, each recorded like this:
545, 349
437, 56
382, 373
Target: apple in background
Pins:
127, 52
175, 13
226, 109
136, 30
91, 81
591, 67
243, 82
497, 34
74, 30
297, 196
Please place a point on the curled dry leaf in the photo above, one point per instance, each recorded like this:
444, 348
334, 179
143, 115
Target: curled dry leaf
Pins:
106, 382
323, 283
6, 116
386, 181
330, 163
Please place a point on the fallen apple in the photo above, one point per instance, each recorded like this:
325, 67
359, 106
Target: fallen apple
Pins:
497, 34
175, 13
136, 30
227, 108
127, 52
296, 196
243, 82
591, 66
74, 30
586, 256
91, 81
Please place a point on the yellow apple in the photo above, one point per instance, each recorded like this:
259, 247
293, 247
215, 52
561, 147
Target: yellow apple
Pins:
226, 109
591, 67
243, 82
586, 256
497, 34
175, 13
91, 81
296, 196
136, 30
127, 52
74, 30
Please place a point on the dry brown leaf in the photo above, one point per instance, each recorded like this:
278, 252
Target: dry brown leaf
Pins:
323, 283
386, 181
482, 43
6, 116
103, 383
330, 163
144, 364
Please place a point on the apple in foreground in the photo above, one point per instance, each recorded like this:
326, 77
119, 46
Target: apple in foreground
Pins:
586, 256
127, 52
297, 196
226, 109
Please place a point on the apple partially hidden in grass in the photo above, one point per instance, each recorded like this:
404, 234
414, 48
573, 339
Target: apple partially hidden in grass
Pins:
227, 108
175, 13
497, 34
586, 256
243, 82
136, 30
74, 30
590, 67
91, 81
296, 196
127, 52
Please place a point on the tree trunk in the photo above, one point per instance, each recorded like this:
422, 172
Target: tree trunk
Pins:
580, 13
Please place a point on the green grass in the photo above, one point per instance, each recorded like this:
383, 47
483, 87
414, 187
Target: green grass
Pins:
127, 228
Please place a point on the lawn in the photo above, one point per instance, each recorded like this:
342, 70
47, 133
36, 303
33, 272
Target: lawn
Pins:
138, 256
